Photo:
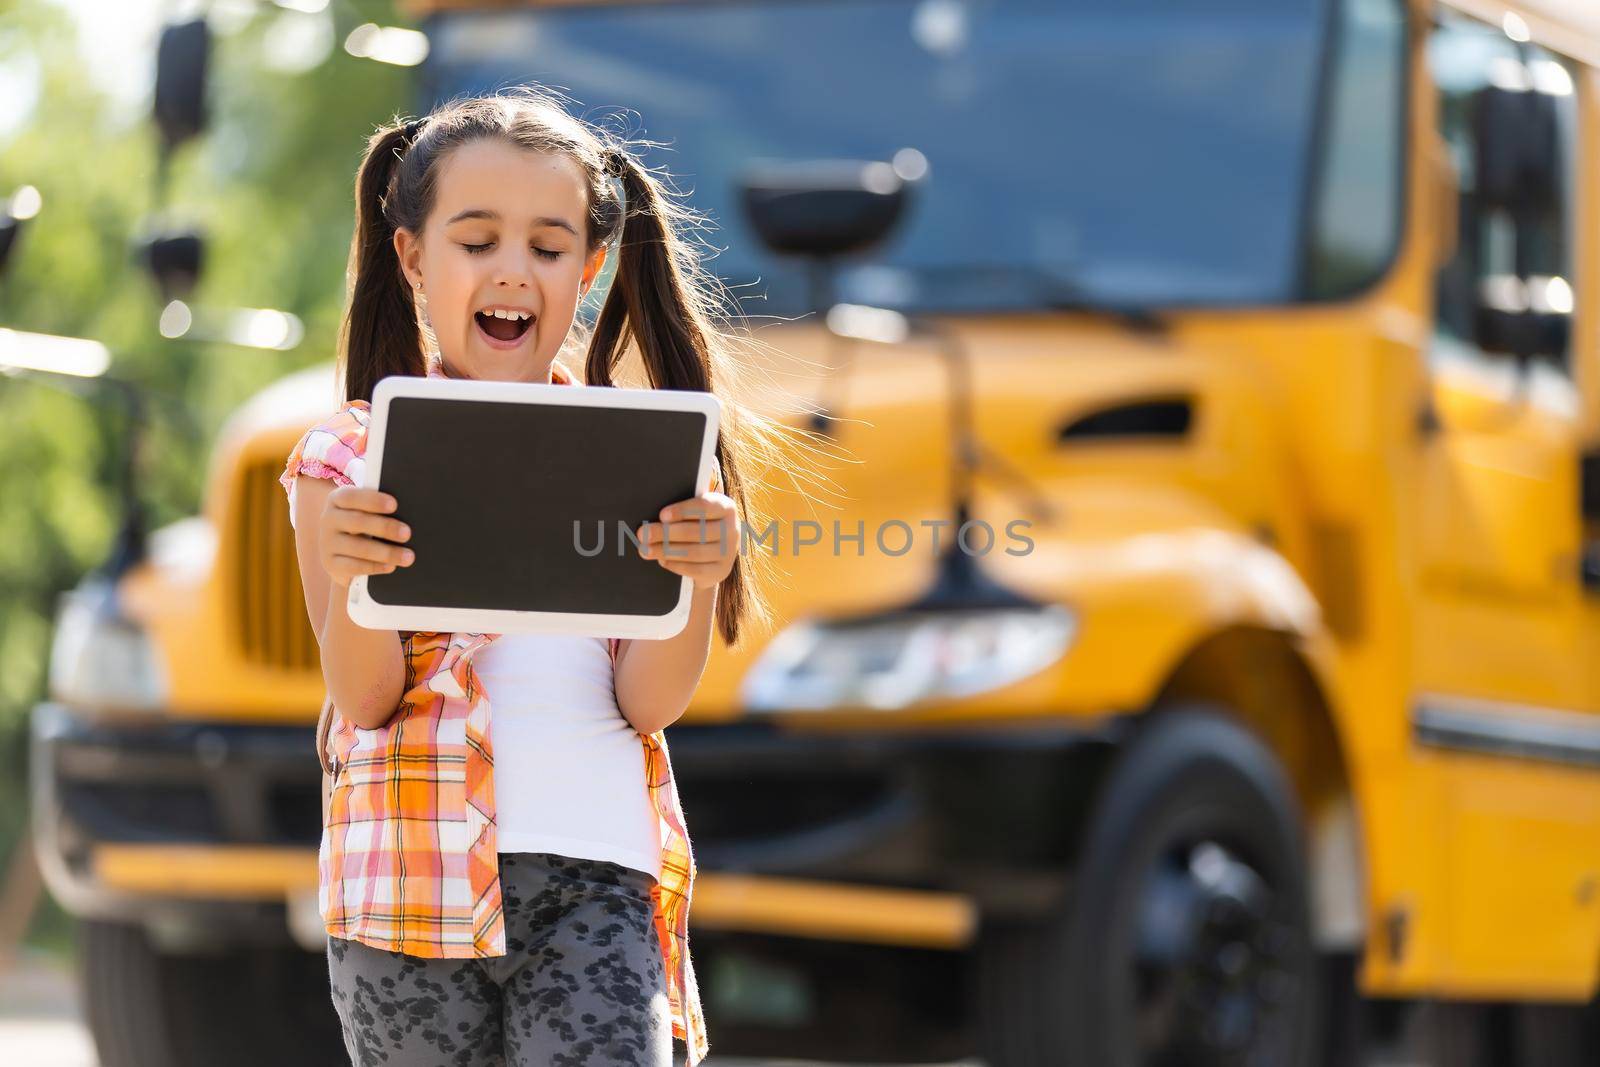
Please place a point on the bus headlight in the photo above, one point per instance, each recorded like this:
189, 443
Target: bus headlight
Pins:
894, 661
101, 659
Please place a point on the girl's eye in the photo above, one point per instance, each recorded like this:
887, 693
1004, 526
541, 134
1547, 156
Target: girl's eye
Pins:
544, 252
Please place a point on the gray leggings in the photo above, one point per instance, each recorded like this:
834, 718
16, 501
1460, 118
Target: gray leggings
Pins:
581, 982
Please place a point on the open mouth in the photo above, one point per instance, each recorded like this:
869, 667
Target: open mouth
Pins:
502, 331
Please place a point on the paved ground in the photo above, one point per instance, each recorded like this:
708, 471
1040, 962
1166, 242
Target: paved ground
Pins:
39, 1024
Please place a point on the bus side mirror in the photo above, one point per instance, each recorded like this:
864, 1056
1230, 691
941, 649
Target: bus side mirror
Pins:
1518, 164
824, 208
1517, 150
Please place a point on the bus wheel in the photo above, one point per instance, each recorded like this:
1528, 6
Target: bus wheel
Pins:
1186, 941
124, 982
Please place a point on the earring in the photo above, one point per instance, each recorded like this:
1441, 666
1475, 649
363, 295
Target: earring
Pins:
427, 320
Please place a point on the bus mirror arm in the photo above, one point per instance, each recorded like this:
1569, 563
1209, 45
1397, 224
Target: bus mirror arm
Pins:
1445, 195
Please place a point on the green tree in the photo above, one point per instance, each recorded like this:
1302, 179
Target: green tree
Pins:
270, 183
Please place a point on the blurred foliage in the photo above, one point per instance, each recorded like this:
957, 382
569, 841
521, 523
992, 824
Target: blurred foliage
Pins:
270, 184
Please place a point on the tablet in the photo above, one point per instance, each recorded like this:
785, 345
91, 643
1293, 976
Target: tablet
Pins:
519, 496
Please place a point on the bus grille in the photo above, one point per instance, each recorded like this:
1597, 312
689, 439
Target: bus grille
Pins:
270, 606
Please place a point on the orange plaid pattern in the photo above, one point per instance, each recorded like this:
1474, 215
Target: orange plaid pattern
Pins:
408, 860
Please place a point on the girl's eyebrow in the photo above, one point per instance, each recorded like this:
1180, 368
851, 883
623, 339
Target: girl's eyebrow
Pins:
494, 216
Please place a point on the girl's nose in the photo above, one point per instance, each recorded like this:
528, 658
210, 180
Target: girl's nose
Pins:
514, 269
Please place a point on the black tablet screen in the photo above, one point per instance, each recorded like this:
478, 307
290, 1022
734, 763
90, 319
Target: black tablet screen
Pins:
521, 507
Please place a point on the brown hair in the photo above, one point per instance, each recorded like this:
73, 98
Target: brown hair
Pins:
660, 303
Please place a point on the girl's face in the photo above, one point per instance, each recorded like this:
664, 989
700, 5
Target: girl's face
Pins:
508, 231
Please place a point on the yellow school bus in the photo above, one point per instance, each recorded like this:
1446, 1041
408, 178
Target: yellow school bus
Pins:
1264, 725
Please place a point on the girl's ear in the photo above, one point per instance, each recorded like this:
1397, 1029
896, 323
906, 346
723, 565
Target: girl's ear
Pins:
408, 250
591, 270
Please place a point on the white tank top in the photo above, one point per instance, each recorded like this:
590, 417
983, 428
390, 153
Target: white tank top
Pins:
568, 768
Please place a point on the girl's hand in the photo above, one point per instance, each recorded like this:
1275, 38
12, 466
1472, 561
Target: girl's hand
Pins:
697, 538
355, 534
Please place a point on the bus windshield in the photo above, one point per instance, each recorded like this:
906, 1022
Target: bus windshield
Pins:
1145, 153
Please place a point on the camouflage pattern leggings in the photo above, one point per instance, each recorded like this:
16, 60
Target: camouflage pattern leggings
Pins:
582, 981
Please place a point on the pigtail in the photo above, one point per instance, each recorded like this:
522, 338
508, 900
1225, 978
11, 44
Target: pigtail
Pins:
650, 303
380, 335
655, 306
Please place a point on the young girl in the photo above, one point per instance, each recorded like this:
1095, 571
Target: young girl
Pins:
515, 886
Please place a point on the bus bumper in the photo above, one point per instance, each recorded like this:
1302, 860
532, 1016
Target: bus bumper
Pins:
203, 832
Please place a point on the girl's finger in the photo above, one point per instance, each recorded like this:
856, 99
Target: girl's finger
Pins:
349, 567
713, 547
681, 552
685, 530
694, 508
368, 548
380, 526
692, 569
353, 498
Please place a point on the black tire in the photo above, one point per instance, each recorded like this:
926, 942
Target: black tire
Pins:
1190, 903
1557, 1035
245, 1007
124, 996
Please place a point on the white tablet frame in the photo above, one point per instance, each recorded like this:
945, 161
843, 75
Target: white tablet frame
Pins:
365, 611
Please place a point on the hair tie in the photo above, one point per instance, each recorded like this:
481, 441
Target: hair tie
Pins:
412, 129
616, 162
